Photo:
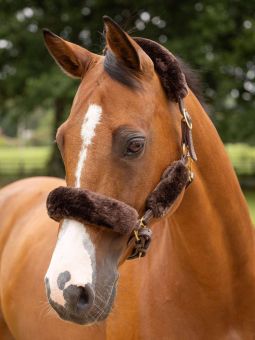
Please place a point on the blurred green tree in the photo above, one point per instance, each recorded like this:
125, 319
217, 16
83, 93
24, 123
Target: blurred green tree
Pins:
216, 37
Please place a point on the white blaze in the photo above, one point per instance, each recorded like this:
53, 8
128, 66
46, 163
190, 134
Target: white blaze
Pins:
89, 124
74, 251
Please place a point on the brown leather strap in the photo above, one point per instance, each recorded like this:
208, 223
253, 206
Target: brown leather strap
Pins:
186, 127
141, 236
148, 216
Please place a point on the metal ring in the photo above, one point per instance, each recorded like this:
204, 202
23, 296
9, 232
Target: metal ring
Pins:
187, 118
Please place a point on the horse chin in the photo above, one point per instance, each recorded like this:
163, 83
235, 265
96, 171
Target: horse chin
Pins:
98, 312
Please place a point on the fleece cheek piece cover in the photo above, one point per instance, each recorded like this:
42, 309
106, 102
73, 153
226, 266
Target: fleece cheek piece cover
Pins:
174, 180
86, 206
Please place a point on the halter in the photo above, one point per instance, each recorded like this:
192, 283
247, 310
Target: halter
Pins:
90, 207
142, 234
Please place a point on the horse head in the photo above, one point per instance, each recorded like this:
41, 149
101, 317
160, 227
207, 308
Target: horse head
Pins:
121, 134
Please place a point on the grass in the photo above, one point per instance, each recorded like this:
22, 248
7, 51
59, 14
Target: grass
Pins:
250, 197
242, 157
15, 160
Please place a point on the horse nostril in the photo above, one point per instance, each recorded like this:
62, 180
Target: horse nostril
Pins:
78, 297
86, 296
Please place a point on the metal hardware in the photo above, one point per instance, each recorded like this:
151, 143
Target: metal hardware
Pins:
187, 118
189, 160
136, 235
142, 240
142, 223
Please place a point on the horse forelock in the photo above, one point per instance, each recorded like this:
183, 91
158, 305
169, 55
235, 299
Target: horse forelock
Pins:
175, 75
118, 71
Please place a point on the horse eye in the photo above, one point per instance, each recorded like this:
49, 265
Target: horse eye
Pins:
135, 146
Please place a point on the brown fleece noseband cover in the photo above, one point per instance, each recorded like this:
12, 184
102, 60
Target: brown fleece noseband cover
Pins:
90, 207
87, 206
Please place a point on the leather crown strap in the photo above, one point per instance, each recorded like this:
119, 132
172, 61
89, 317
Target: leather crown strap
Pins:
89, 207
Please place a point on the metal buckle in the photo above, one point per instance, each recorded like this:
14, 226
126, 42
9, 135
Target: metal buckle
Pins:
187, 118
142, 240
185, 114
142, 223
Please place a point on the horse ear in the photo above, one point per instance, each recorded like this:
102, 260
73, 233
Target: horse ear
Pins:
73, 59
124, 48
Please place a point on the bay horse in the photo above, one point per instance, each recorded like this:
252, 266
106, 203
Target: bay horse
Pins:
197, 280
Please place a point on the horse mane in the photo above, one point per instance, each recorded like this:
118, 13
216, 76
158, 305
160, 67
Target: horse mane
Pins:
193, 79
174, 73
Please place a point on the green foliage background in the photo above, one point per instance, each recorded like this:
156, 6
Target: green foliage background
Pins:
215, 37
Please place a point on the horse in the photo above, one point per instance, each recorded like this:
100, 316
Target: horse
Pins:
197, 280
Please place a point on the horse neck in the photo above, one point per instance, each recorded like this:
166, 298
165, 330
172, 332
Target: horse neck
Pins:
211, 231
